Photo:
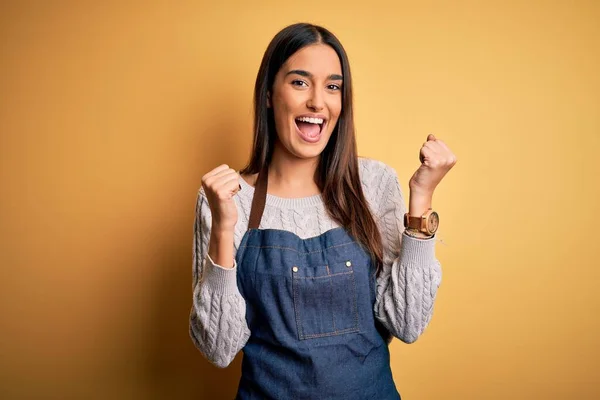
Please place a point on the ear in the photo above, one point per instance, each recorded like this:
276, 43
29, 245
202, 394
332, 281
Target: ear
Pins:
268, 99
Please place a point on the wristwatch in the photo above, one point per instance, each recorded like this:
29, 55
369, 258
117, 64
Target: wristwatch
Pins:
427, 223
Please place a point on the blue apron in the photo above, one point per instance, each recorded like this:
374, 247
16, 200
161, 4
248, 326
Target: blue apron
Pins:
309, 307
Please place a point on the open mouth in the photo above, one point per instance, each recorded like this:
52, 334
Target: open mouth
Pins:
310, 128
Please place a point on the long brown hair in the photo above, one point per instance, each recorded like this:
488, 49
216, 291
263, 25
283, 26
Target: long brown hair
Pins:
337, 173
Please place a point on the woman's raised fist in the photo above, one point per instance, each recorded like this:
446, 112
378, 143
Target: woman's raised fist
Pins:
220, 185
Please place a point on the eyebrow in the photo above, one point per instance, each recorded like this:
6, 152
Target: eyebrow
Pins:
301, 72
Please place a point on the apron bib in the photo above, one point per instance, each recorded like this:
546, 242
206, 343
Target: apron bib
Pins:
309, 307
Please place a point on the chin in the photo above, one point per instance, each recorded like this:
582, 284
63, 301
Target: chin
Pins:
308, 150
309, 154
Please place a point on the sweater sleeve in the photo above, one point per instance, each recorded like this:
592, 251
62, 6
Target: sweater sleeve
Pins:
217, 323
411, 274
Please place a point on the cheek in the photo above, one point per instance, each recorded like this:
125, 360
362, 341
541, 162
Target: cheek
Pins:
279, 110
336, 112
336, 107
283, 106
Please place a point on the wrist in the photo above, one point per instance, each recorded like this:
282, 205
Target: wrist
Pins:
419, 203
218, 231
220, 247
420, 190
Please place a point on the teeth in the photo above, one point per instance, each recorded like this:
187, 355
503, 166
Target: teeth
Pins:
311, 120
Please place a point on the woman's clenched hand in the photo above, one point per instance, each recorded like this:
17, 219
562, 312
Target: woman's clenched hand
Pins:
220, 185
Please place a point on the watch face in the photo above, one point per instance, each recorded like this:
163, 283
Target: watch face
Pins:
433, 221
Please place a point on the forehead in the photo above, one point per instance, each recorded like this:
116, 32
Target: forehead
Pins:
318, 59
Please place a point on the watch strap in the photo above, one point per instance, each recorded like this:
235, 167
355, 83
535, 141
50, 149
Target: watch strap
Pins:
414, 222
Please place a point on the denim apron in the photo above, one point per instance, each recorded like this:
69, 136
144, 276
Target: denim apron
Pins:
309, 307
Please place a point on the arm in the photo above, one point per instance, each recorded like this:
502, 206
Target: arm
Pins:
408, 283
218, 316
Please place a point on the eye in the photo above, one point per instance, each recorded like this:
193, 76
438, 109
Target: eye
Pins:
333, 86
298, 82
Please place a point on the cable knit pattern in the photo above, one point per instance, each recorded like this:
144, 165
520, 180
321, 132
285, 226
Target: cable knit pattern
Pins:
406, 287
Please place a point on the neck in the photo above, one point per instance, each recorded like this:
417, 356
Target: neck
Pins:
292, 177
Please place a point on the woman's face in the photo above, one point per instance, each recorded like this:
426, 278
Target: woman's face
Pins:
307, 100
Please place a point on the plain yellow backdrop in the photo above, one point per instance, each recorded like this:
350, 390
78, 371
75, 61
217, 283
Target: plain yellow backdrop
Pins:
111, 112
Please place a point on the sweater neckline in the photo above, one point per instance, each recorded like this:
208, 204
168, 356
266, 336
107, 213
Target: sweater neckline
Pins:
282, 202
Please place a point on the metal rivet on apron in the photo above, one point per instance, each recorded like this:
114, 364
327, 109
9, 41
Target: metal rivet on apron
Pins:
295, 269
348, 264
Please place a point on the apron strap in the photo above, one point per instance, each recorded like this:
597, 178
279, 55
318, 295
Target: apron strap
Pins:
259, 199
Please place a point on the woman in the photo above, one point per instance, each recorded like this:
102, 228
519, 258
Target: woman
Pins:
302, 258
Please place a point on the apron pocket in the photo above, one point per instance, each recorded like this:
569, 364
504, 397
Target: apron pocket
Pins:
325, 301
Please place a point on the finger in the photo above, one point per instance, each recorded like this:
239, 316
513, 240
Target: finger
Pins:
445, 152
431, 136
230, 181
215, 179
230, 186
433, 146
426, 155
216, 171
224, 174
444, 145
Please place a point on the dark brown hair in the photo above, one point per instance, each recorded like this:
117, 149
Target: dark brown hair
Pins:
337, 174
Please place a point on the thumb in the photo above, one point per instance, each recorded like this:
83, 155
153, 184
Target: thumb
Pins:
430, 137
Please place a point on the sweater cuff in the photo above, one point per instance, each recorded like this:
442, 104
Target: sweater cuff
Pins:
418, 251
220, 279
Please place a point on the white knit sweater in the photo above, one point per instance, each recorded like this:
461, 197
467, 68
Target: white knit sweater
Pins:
406, 287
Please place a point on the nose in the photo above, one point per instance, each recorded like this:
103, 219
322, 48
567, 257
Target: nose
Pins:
315, 102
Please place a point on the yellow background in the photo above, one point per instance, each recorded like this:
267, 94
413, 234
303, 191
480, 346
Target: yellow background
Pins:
111, 112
